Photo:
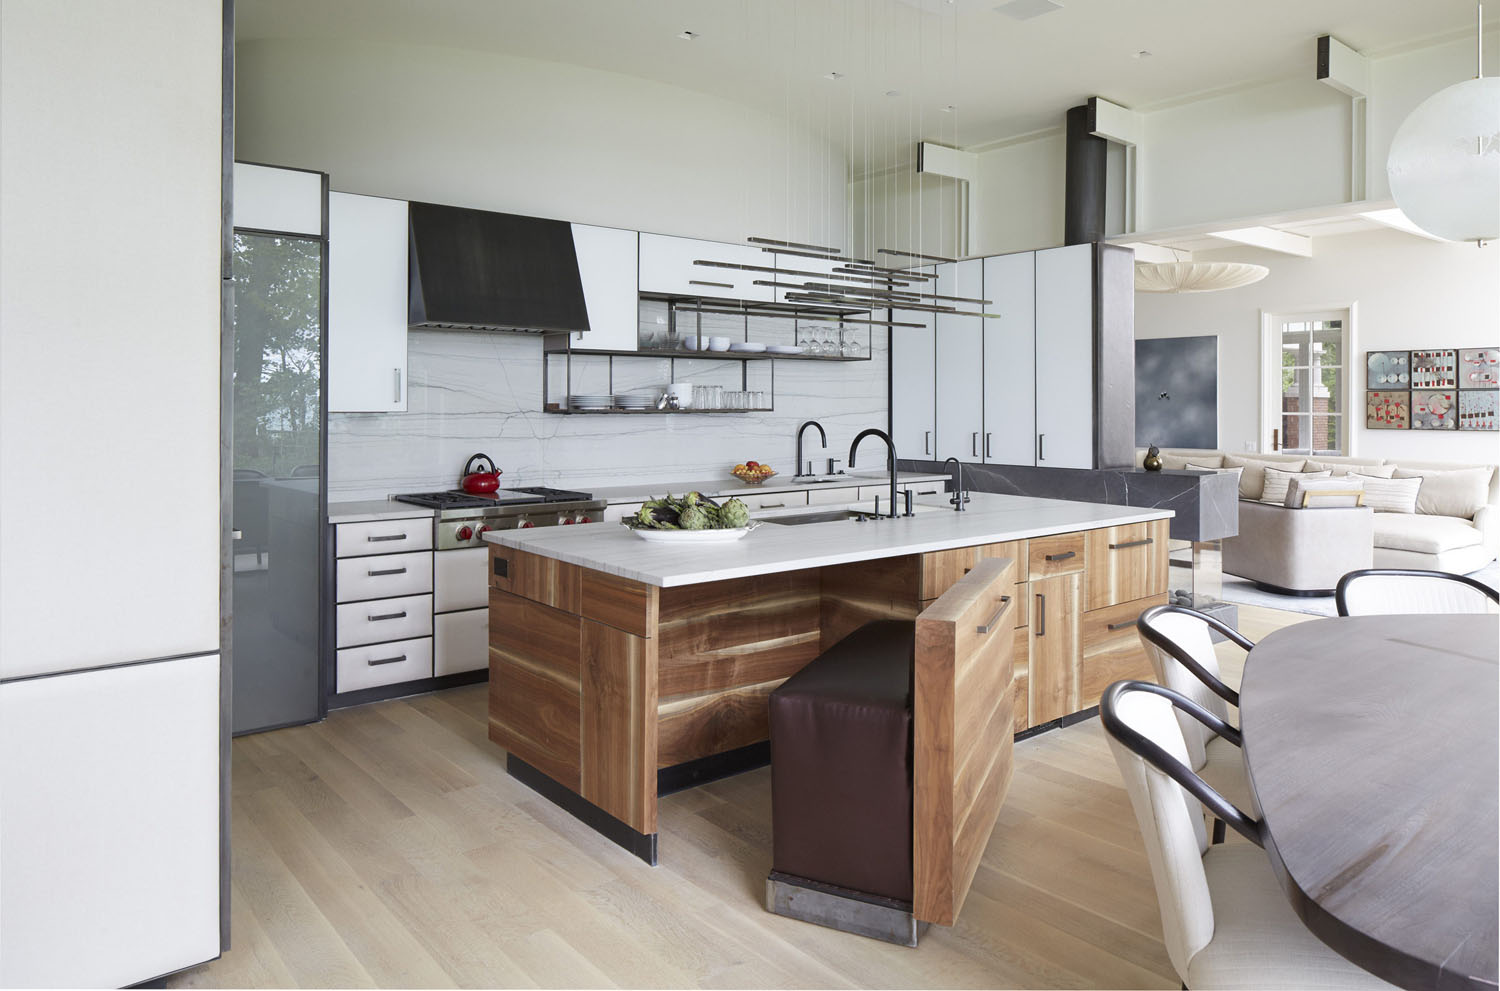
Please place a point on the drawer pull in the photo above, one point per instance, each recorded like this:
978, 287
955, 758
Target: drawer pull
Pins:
1132, 543
1063, 556
701, 282
389, 615
1041, 615
372, 662
1120, 626
771, 505
928, 492
994, 620
380, 540
502, 567
386, 571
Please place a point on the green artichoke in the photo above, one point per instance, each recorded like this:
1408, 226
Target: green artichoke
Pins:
694, 518
733, 515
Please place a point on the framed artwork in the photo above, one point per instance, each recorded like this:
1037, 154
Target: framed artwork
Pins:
1388, 370
1479, 368
1387, 410
1477, 409
1434, 369
1434, 410
1177, 391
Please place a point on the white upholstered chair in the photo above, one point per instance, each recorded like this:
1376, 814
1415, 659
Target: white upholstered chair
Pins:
1388, 591
1224, 918
1178, 643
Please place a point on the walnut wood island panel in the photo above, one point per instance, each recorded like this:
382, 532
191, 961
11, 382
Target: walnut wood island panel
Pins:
618, 666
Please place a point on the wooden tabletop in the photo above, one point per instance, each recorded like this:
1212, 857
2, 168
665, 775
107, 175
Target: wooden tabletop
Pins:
1371, 745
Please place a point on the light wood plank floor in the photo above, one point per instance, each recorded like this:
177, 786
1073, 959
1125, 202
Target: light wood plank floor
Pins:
386, 846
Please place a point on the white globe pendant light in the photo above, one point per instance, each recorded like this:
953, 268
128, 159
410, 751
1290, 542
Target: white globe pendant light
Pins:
1444, 165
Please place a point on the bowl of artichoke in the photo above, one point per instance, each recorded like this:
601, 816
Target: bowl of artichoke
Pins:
695, 518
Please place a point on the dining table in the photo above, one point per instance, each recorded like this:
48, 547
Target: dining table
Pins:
1372, 745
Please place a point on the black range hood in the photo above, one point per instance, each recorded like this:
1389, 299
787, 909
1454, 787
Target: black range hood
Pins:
477, 270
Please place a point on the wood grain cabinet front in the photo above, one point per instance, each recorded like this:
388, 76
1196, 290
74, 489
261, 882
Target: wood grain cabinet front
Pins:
1112, 648
1055, 645
1059, 554
1125, 563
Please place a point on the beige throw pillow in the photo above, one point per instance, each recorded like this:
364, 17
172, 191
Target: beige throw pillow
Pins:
1340, 470
1335, 492
1177, 462
1458, 492
1277, 481
1390, 495
1253, 479
1238, 473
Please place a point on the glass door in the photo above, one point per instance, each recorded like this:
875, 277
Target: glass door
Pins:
278, 479
1311, 413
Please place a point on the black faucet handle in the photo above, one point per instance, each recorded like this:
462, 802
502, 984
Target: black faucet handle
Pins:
907, 493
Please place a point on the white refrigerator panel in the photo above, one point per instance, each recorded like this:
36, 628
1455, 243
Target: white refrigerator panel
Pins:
960, 364
1009, 359
109, 824
109, 361
1065, 357
913, 386
367, 309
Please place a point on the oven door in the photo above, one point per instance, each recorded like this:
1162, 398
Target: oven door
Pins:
460, 580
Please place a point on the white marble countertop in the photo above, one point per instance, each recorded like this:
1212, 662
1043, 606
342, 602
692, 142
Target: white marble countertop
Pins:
727, 486
365, 510
773, 548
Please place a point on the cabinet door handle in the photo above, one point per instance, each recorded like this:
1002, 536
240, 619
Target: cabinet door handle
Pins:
1132, 543
974, 444
393, 536
1120, 626
396, 397
718, 285
928, 492
1041, 615
986, 443
1041, 448
994, 620
927, 442
386, 571
1063, 556
372, 662
389, 615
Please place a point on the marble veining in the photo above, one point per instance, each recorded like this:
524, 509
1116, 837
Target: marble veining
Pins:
773, 548
472, 392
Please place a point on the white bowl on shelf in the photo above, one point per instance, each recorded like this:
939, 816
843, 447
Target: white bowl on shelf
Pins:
718, 344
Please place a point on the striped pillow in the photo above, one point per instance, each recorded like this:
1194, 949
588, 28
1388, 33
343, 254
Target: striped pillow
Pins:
1390, 495
1278, 480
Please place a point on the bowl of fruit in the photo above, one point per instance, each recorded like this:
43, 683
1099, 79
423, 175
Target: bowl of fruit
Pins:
752, 472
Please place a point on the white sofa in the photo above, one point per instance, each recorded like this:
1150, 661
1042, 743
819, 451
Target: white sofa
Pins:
1425, 539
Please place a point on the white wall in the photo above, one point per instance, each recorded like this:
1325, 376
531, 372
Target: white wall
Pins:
533, 137
1020, 196
906, 210
1411, 293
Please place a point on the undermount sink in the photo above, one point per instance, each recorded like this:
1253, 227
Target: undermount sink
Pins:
822, 479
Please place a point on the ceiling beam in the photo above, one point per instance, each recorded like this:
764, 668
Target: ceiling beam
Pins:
1268, 238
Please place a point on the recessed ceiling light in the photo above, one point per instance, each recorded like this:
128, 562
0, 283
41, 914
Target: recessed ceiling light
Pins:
689, 36
893, 92
1141, 54
1025, 10
833, 75
947, 110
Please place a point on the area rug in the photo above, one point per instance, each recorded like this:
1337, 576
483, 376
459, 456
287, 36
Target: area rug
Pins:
1240, 590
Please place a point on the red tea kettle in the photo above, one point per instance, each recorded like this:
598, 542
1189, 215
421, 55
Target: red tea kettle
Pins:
480, 482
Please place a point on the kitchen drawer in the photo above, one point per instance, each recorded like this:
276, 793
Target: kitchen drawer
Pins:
1125, 563
832, 495
1060, 554
773, 500
383, 619
1112, 648
386, 575
460, 579
620, 511
1017, 550
461, 641
384, 664
383, 537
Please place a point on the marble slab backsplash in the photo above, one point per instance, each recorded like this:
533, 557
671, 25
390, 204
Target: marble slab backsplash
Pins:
482, 392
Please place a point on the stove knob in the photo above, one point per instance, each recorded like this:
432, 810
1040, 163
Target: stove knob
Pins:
584, 519
484, 528
465, 533
525, 525
568, 521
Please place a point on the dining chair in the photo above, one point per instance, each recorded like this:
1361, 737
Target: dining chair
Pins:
1225, 921
1178, 643
1387, 591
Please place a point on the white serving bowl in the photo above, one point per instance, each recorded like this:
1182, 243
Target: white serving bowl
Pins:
718, 344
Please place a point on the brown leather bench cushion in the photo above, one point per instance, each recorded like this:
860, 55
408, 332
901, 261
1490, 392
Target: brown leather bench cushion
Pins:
841, 765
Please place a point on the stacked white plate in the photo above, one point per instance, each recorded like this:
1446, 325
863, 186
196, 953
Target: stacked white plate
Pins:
635, 401
783, 349
751, 347
591, 402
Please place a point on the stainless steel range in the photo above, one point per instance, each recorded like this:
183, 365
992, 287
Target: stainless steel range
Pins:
463, 518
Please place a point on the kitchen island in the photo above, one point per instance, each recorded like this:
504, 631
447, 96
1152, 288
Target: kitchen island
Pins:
621, 668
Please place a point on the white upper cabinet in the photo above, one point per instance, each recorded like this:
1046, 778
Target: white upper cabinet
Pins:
914, 384
367, 311
1009, 358
799, 271
607, 265
1065, 357
960, 364
667, 268
288, 201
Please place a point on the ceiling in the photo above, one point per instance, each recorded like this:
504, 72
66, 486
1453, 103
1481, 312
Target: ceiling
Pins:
1003, 77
